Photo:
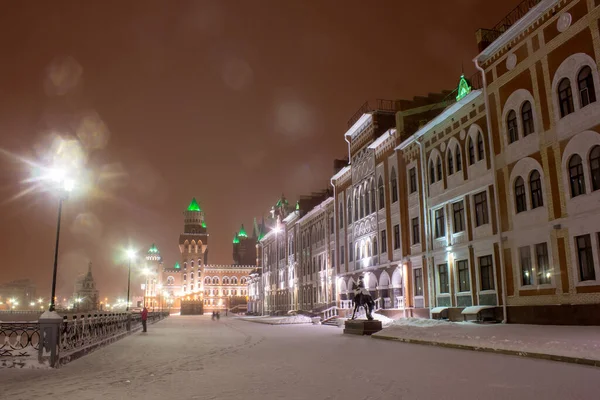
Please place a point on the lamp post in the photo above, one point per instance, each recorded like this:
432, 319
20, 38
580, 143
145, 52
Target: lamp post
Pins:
67, 186
130, 256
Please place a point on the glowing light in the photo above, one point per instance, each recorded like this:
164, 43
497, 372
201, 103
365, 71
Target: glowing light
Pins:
242, 233
194, 206
463, 88
153, 249
130, 254
236, 239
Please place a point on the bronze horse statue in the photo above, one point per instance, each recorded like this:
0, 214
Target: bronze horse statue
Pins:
362, 298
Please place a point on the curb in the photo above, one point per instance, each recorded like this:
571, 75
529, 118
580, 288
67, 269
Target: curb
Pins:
540, 356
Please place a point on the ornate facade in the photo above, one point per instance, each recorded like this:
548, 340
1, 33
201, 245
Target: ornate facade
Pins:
85, 295
480, 198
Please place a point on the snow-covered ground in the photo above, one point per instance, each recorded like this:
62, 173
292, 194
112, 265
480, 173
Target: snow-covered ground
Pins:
568, 341
286, 320
195, 358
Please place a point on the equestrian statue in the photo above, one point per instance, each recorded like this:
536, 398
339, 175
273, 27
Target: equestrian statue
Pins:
362, 298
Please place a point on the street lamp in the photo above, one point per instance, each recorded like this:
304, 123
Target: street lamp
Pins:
130, 256
67, 184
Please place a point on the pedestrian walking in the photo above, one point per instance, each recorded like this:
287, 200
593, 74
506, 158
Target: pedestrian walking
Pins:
218, 315
213, 315
144, 318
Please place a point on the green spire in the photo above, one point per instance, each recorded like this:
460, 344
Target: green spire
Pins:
153, 249
236, 239
177, 266
194, 206
203, 224
463, 88
298, 205
242, 233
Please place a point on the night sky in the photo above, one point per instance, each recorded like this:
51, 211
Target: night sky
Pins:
233, 102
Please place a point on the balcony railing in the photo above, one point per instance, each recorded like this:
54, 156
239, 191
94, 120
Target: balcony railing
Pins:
379, 105
489, 35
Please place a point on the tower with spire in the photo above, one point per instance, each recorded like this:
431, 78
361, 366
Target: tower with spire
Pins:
154, 264
85, 295
244, 247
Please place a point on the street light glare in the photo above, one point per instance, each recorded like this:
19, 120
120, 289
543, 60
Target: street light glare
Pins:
131, 254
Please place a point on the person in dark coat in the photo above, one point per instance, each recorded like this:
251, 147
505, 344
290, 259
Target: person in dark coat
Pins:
144, 318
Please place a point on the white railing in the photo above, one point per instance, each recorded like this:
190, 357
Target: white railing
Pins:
346, 304
330, 313
377, 304
400, 302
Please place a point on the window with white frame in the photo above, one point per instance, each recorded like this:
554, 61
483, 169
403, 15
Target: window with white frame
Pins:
527, 119
464, 279
458, 216
585, 82
486, 273
576, 177
595, 167
471, 150
526, 267
439, 168
444, 282
511, 124
450, 163
544, 275
585, 258
418, 278
520, 200
458, 157
480, 148
381, 193
394, 186
412, 178
481, 209
383, 241
416, 236
535, 187
440, 225
565, 97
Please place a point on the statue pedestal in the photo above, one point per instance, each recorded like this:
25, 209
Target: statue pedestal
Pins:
362, 327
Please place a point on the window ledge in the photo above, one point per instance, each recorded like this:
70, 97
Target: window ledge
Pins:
588, 283
464, 293
493, 291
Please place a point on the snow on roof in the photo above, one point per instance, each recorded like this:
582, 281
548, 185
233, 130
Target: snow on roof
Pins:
379, 141
475, 309
518, 27
340, 173
450, 110
358, 124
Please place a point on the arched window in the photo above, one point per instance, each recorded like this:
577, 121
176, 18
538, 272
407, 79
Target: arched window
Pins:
375, 248
367, 201
471, 151
192, 276
349, 210
450, 163
170, 280
535, 185
587, 92
527, 119
372, 191
480, 149
431, 172
439, 168
207, 281
458, 159
565, 97
234, 280
511, 125
381, 193
341, 215
357, 251
361, 198
394, 183
595, 167
215, 280
356, 205
576, 176
225, 280
520, 202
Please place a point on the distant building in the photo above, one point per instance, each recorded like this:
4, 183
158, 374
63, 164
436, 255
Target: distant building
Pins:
85, 296
20, 291
192, 279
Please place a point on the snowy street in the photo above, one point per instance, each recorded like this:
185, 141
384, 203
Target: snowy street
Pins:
196, 358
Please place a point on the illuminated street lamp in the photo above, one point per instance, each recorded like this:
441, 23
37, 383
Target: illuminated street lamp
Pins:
66, 185
130, 256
